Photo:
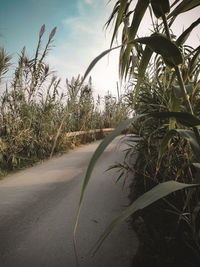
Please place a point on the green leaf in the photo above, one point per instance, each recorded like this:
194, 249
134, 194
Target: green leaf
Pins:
185, 118
195, 216
190, 136
113, 14
163, 146
158, 192
174, 106
178, 92
163, 46
139, 12
184, 6
124, 62
100, 149
160, 7
186, 134
141, 71
174, 3
121, 9
183, 37
197, 174
194, 61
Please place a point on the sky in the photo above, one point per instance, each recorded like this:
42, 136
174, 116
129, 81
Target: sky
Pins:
79, 38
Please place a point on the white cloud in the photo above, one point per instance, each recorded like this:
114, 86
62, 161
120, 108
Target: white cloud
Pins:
86, 40
78, 24
89, 2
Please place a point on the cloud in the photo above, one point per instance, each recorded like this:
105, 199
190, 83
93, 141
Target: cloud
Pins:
77, 24
85, 40
89, 2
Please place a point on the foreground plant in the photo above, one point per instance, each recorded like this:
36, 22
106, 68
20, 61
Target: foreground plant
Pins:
178, 73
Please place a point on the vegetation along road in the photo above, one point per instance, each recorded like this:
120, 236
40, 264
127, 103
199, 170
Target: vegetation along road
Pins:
38, 207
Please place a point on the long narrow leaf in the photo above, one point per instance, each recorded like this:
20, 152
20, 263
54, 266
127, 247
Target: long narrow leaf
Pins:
183, 37
158, 192
113, 14
186, 134
122, 7
141, 70
163, 46
185, 118
190, 136
160, 8
184, 6
100, 149
197, 174
139, 12
140, 9
163, 146
194, 61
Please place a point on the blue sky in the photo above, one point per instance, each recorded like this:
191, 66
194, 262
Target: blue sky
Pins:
21, 20
79, 38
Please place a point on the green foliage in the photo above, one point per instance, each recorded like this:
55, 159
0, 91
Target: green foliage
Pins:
183, 37
141, 71
161, 45
184, 6
36, 114
160, 7
153, 195
98, 153
129, 33
4, 62
165, 95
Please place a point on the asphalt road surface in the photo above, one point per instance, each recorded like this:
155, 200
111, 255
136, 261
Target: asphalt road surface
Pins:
38, 207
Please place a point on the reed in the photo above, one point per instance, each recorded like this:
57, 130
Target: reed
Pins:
164, 93
36, 114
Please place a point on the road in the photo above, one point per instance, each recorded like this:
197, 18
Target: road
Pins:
38, 206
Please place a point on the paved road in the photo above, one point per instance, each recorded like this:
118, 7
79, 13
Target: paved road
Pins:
37, 212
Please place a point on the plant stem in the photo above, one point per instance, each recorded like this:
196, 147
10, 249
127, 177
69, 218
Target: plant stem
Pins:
183, 90
178, 73
166, 27
187, 101
58, 133
181, 83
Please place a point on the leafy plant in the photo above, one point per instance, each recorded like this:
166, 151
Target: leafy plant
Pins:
36, 115
165, 99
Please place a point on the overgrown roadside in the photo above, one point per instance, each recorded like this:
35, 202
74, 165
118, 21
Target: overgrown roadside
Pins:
36, 112
72, 141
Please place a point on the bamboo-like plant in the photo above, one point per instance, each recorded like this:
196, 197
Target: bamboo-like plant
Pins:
4, 62
178, 73
35, 115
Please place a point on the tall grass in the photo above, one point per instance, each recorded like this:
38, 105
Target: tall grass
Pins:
164, 92
36, 113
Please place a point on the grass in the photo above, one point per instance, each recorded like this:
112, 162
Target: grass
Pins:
36, 113
164, 91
